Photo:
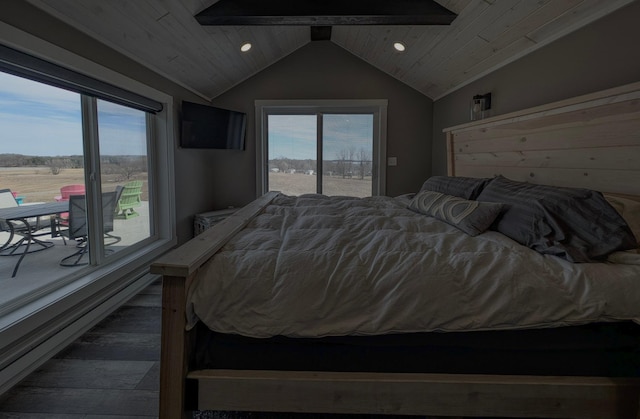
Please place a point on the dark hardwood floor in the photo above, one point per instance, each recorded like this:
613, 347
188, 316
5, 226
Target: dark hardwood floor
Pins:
111, 372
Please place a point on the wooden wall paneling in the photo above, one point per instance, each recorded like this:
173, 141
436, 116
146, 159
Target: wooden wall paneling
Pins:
620, 113
135, 29
216, 47
235, 37
511, 18
588, 136
587, 9
373, 45
531, 22
476, 50
276, 41
461, 32
481, 48
356, 40
485, 66
622, 158
213, 54
592, 142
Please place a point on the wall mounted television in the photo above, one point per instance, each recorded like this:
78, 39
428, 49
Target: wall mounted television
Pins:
205, 126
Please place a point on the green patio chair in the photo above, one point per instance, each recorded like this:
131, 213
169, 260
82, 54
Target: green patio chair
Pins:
129, 199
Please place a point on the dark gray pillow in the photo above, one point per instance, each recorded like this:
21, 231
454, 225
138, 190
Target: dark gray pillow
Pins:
462, 187
578, 225
472, 217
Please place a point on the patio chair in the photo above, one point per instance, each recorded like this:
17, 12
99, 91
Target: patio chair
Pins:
65, 193
129, 199
77, 226
8, 200
68, 190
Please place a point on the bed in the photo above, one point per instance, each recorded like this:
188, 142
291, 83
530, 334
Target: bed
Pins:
590, 142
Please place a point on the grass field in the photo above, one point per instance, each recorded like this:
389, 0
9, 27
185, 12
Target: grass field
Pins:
37, 184
298, 183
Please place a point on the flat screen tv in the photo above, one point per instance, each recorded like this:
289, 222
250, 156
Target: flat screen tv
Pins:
205, 126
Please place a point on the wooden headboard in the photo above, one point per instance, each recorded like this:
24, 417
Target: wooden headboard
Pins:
590, 141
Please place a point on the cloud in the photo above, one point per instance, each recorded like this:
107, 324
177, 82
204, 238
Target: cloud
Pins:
294, 136
38, 119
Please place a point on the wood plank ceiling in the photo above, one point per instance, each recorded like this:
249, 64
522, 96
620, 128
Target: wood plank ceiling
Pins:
487, 34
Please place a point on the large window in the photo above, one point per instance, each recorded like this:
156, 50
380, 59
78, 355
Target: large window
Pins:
61, 146
328, 147
85, 151
86, 164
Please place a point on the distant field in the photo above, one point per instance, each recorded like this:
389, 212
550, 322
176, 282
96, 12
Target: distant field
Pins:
298, 183
37, 184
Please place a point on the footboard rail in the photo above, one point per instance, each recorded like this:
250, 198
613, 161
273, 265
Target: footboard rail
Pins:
178, 269
459, 395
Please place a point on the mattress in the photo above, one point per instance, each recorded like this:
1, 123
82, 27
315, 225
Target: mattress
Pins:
316, 266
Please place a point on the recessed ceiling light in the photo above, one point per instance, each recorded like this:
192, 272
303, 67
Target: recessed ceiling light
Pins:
399, 46
245, 47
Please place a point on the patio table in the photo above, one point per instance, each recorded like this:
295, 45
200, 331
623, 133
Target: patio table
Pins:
22, 214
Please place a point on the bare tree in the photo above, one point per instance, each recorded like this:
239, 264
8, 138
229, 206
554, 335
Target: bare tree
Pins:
344, 161
364, 163
56, 165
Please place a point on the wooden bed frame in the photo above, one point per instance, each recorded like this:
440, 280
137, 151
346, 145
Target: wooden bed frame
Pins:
591, 141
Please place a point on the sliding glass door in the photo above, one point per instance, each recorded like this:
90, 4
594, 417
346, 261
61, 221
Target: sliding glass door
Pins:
334, 149
347, 150
123, 159
293, 153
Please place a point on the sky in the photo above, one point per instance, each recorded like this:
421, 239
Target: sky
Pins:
41, 120
294, 136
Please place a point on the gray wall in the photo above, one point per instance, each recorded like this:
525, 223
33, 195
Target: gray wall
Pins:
601, 55
323, 70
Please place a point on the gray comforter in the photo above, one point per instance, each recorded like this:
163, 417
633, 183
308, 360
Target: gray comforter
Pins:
317, 266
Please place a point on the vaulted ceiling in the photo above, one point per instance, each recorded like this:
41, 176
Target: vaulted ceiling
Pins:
165, 36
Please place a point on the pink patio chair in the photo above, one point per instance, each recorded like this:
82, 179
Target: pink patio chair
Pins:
68, 190
62, 220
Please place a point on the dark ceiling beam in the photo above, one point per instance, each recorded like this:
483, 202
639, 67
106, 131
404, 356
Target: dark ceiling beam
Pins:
325, 12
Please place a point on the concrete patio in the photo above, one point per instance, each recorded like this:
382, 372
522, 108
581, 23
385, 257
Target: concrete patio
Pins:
43, 267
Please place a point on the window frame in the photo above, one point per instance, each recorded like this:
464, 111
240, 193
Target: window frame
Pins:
35, 327
377, 107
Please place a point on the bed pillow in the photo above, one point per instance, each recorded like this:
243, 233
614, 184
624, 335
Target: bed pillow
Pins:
462, 187
578, 225
629, 210
472, 217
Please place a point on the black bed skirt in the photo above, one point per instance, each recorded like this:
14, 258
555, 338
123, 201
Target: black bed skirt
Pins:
600, 349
